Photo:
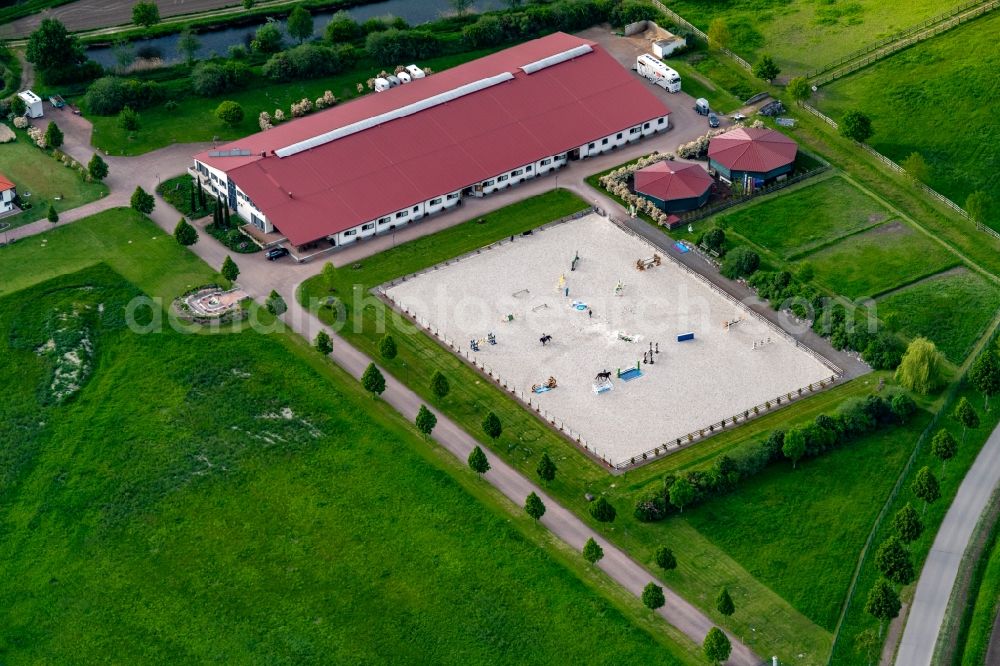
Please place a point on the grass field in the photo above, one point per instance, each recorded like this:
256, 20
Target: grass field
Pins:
198, 499
194, 118
37, 174
797, 221
803, 34
952, 309
856, 620
870, 263
775, 519
941, 99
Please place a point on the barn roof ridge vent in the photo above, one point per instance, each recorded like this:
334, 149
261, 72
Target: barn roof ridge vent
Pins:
401, 112
556, 58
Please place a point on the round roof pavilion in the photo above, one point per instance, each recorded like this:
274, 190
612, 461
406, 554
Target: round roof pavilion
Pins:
752, 150
672, 181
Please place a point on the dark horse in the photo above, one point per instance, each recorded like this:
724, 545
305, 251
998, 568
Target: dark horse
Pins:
603, 376
545, 339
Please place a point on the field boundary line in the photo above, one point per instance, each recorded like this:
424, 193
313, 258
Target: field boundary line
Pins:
819, 247
903, 39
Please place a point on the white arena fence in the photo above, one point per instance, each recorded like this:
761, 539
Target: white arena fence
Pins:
525, 397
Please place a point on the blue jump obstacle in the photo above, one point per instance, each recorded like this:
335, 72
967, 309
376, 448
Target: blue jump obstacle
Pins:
685, 336
630, 374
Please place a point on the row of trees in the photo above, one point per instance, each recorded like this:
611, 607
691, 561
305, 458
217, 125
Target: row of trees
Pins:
854, 419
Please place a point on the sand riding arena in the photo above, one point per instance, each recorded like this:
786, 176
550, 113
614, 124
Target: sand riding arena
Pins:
624, 349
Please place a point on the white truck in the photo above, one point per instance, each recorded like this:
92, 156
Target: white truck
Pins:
649, 67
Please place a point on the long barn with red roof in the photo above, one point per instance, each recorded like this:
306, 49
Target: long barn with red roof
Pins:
391, 158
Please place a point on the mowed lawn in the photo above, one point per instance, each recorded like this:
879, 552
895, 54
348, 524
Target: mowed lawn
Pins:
940, 98
122, 238
952, 309
803, 35
872, 262
790, 223
194, 120
44, 179
235, 498
803, 529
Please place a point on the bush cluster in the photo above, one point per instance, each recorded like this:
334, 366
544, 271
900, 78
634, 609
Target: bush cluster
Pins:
110, 94
309, 61
394, 45
212, 78
853, 419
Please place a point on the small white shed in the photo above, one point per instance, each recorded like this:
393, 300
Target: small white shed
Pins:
664, 47
33, 102
7, 194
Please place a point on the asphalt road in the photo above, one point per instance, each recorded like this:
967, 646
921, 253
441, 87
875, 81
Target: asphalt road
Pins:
941, 568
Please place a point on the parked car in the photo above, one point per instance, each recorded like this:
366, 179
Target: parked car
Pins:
276, 253
713, 120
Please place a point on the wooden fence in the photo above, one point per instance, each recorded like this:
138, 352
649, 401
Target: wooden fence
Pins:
702, 213
679, 20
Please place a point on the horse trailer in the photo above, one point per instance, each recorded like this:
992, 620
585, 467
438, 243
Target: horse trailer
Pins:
653, 69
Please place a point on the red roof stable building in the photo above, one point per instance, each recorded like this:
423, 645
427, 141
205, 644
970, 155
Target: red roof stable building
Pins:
751, 153
675, 187
390, 158
7, 194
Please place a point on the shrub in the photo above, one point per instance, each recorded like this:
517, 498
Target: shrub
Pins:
185, 234
145, 14
110, 94
267, 39
53, 135
128, 119
394, 45
309, 61
741, 262
922, 369
142, 201
603, 511
231, 113
342, 28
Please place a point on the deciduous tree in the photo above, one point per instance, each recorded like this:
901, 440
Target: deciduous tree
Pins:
906, 524
922, 369
902, 406
275, 304
916, 167
592, 551
966, 415
717, 647
665, 558
323, 343
795, 445
230, 270
925, 486
478, 462
387, 347
682, 493
985, 375
724, 603
943, 446
652, 596
799, 89
439, 385
185, 234
97, 167
145, 14
893, 561
53, 135
856, 125
300, 23
534, 506
603, 511
425, 420
492, 427
883, 603
142, 201
188, 45
229, 112
546, 468
52, 48
373, 381
766, 68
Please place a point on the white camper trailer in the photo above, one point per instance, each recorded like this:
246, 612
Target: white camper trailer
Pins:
653, 69
33, 103
403, 77
415, 72
381, 84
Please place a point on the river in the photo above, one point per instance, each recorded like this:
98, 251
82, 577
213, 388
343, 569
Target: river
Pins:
217, 42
